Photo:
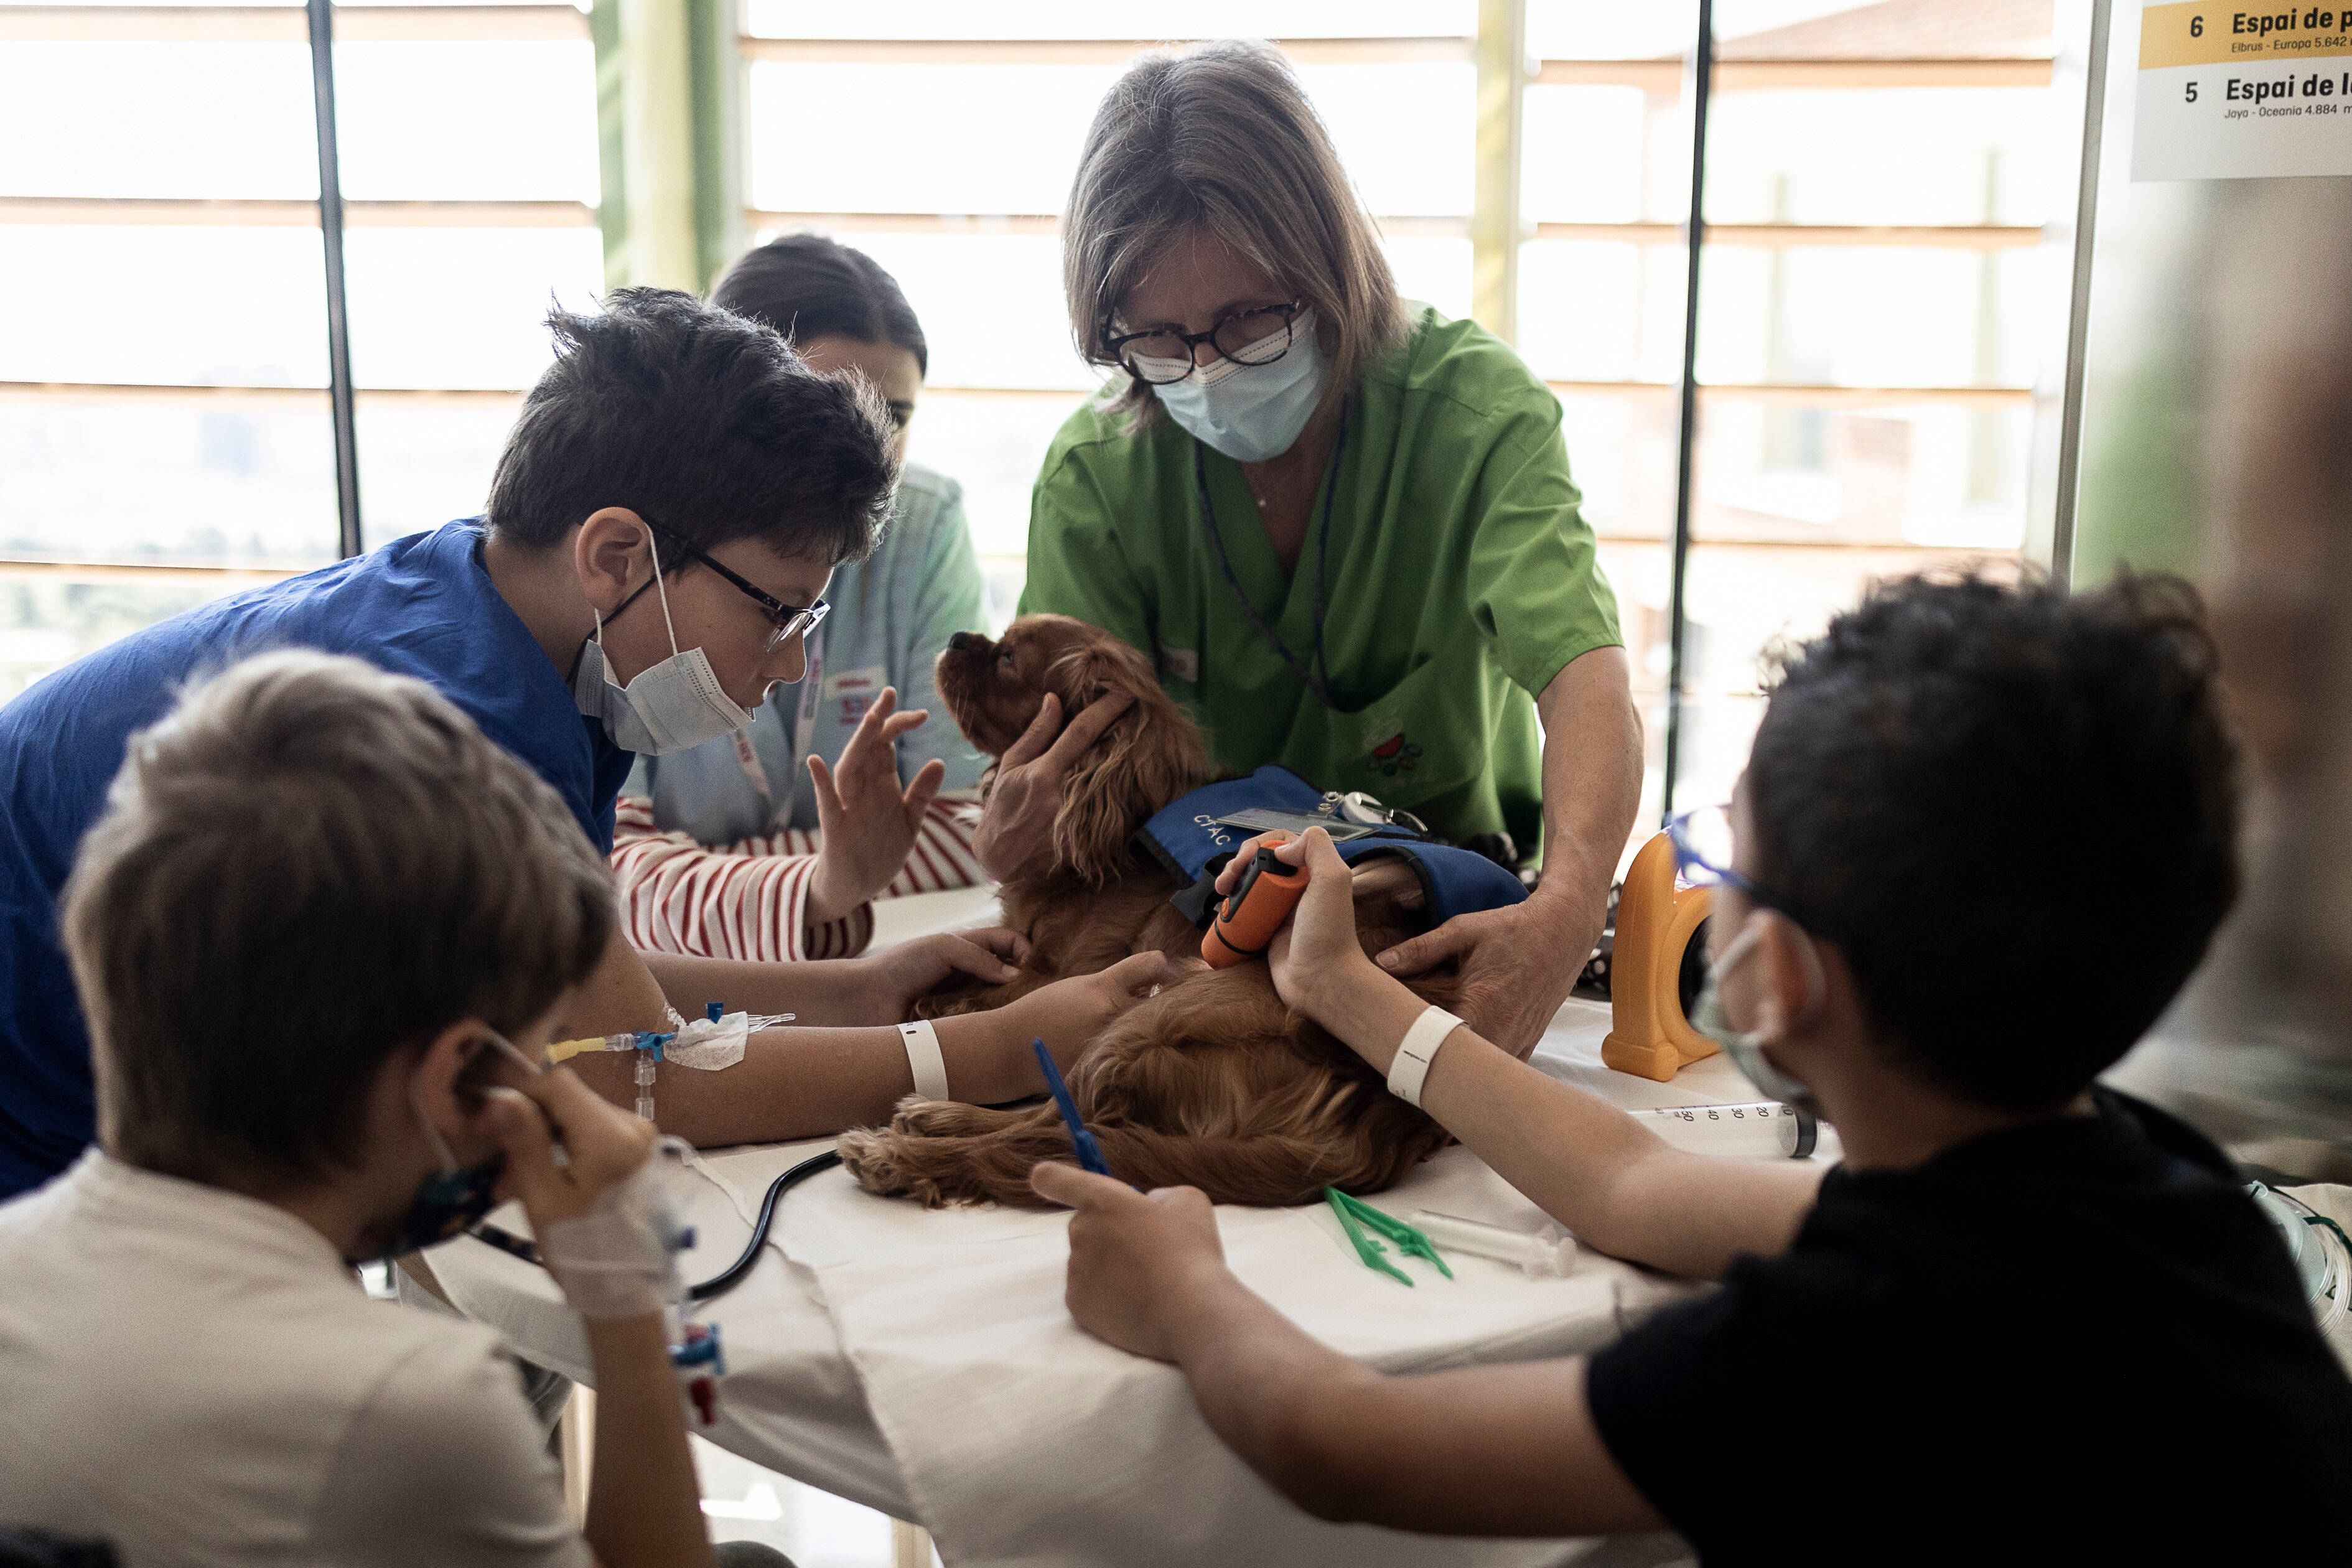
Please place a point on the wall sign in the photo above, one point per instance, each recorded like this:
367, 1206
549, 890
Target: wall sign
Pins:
2233, 92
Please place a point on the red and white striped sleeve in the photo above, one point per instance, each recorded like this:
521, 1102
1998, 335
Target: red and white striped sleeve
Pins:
942, 857
677, 896
749, 900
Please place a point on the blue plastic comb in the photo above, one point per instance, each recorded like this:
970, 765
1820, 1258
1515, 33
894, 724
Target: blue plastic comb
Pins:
1090, 1154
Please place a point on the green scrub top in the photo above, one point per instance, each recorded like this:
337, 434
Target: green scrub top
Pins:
1461, 578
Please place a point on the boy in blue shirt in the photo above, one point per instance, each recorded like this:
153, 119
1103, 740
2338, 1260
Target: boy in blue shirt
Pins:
1984, 836
660, 529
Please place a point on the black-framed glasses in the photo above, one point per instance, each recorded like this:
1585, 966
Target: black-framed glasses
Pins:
1162, 356
786, 622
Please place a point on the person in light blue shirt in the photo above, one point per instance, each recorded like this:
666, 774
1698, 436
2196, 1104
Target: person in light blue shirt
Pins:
753, 795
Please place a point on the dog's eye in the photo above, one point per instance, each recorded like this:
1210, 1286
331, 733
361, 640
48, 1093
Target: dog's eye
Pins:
1005, 657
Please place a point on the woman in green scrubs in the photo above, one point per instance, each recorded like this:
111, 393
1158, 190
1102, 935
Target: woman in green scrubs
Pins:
1343, 527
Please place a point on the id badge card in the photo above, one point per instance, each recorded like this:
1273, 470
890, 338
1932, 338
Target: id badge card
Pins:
1264, 819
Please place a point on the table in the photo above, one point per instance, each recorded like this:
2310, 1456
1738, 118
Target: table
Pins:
923, 1365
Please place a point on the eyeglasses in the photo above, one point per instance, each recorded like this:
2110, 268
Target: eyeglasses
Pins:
786, 622
1163, 356
1702, 841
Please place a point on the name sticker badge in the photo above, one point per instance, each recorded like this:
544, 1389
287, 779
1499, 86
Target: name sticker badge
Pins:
852, 691
2235, 93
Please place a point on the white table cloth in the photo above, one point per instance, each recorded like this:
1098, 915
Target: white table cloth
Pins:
923, 1364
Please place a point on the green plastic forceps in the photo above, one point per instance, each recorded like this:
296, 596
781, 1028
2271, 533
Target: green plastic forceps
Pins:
1356, 1217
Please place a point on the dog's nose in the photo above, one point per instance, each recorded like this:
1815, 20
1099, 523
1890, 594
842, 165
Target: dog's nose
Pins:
968, 642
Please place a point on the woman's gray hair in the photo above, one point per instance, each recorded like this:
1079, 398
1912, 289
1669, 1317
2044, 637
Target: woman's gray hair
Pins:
1220, 139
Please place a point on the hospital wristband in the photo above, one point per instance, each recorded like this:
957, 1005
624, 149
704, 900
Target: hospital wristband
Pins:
923, 1055
1417, 1050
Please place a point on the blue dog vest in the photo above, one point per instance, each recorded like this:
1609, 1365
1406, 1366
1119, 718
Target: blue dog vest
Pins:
1189, 840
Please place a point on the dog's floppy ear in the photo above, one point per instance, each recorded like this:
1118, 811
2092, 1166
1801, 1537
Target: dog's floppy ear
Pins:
1150, 755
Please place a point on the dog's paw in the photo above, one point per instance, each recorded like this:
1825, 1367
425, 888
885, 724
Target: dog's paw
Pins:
888, 1163
870, 1156
918, 1118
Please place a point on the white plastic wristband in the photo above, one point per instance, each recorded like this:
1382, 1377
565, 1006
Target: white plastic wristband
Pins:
1417, 1050
923, 1055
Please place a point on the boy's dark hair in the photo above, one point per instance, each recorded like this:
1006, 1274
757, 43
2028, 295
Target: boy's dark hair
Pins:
701, 421
808, 287
2014, 812
307, 867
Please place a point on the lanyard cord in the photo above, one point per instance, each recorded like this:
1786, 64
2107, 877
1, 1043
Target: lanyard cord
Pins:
1316, 677
755, 771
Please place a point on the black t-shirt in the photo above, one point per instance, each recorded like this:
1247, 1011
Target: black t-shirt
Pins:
2076, 1340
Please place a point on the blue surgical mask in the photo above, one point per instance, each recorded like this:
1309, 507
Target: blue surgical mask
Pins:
445, 1203
1746, 1046
1250, 411
670, 707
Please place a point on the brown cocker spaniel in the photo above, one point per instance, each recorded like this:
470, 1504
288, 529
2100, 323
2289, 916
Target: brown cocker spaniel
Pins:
1212, 1083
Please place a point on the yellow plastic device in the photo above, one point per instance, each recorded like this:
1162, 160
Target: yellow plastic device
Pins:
1656, 923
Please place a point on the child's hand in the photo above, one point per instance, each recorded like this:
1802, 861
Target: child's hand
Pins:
604, 1145
870, 824
1068, 1013
914, 968
1133, 1255
1315, 951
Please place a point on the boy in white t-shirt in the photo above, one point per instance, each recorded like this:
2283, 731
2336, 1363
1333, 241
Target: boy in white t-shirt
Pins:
322, 934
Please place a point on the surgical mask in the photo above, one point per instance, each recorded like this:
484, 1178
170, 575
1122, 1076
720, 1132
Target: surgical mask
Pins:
1745, 1047
1250, 411
670, 706
445, 1203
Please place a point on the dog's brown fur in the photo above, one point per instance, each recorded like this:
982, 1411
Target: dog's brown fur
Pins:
1213, 1083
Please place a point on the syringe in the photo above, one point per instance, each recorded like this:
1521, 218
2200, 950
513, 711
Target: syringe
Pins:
1764, 1129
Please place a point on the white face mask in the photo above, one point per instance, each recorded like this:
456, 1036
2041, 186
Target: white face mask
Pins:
1250, 411
1746, 1046
670, 706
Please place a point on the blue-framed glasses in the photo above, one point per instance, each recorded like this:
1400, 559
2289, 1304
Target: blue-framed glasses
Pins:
1702, 841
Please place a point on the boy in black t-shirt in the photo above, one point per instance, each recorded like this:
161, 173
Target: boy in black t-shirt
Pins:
1984, 836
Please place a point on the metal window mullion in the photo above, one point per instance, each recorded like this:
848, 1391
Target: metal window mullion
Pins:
716, 109
1699, 74
659, 223
2053, 550
320, 18
1494, 220
612, 176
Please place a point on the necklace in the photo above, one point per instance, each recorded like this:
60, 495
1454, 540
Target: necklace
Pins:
1314, 677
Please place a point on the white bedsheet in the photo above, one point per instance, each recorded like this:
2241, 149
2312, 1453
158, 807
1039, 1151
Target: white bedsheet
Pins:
924, 1364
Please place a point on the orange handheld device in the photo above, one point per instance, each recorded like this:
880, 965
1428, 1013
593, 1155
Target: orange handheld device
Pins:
1256, 908
1658, 928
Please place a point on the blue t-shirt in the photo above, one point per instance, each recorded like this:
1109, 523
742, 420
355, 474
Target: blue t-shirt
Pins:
423, 606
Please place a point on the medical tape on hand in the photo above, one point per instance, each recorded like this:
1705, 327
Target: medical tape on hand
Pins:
923, 1055
615, 1260
1417, 1050
709, 1044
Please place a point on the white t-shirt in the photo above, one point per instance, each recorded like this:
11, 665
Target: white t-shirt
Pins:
195, 1377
